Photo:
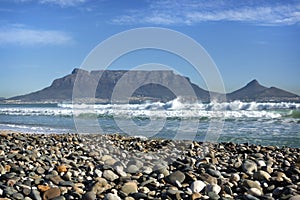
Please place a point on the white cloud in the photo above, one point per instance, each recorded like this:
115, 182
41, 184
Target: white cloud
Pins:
63, 3
24, 36
191, 12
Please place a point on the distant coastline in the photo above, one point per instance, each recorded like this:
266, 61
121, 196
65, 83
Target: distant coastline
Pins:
61, 89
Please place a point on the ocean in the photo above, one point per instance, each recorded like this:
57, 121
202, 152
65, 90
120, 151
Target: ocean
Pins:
240, 122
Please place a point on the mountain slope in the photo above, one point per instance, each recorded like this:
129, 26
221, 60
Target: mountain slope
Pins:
254, 91
103, 83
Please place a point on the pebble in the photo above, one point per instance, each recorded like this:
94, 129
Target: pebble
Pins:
249, 166
176, 176
213, 188
255, 192
197, 186
67, 167
111, 196
51, 193
110, 175
129, 187
89, 196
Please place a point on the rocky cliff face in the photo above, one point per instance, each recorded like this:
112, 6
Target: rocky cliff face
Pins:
156, 85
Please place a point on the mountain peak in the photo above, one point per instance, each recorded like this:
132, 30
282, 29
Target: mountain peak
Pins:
254, 82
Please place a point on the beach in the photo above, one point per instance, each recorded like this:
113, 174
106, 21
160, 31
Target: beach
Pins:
93, 166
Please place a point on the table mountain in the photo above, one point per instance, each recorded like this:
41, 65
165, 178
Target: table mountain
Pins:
155, 85
87, 82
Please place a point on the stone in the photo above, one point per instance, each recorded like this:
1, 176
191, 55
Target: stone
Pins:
261, 175
214, 173
213, 188
110, 162
296, 197
56, 179
105, 157
100, 186
208, 178
62, 168
197, 186
89, 196
255, 192
40, 170
43, 188
35, 194
235, 177
98, 172
110, 175
132, 169
213, 196
51, 193
18, 196
111, 196
252, 184
176, 176
129, 187
249, 166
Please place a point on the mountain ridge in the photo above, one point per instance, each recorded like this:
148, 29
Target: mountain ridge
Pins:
154, 87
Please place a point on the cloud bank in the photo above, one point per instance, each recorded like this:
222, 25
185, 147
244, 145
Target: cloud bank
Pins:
189, 12
25, 36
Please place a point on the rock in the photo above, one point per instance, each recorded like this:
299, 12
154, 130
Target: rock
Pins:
43, 188
250, 197
213, 188
208, 178
176, 176
197, 186
132, 169
100, 186
51, 193
18, 196
40, 170
252, 184
235, 177
89, 196
56, 179
111, 196
66, 183
261, 175
62, 168
129, 187
249, 166
296, 197
105, 157
213, 196
214, 173
35, 194
110, 175
110, 162
261, 163
98, 172
255, 192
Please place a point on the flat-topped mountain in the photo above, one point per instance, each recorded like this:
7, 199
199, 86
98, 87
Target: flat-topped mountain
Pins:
253, 91
158, 85
101, 85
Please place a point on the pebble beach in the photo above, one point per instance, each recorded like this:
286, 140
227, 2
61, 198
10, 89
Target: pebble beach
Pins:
113, 167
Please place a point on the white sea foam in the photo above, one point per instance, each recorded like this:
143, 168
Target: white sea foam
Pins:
174, 108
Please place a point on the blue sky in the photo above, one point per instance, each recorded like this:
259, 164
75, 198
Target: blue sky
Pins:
41, 40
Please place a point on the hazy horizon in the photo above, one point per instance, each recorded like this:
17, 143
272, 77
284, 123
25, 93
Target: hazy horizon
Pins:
44, 39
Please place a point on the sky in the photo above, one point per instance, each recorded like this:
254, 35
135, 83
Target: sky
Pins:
41, 40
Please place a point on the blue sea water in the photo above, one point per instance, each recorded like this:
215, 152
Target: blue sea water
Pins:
240, 122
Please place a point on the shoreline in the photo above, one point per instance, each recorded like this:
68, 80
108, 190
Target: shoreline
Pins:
86, 166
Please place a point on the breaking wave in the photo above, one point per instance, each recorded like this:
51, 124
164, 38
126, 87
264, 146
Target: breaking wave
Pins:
172, 109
